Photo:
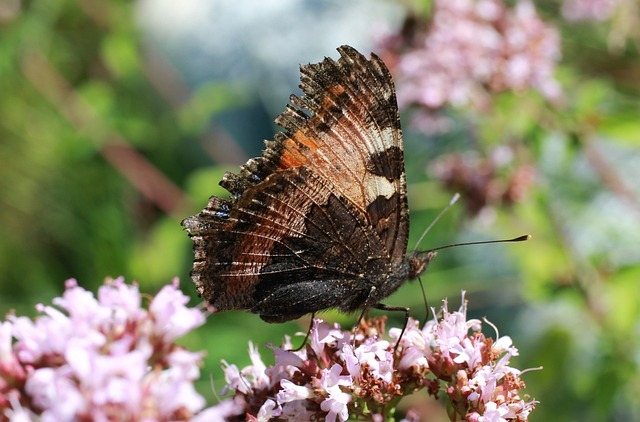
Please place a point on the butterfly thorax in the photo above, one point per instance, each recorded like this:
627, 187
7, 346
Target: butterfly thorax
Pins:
386, 284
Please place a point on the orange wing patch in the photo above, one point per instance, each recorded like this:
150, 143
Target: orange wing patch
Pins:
294, 156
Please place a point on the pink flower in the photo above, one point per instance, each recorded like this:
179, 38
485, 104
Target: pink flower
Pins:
125, 298
268, 411
375, 354
417, 344
291, 392
492, 413
286, 358
336, 404
589, 10
12, 372
234, 380
172, 318
55, 392
323, 334
339, 375
105, 358
468, 352
298, 410
472, 50
222, 412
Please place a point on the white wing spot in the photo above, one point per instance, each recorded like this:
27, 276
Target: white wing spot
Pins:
378, 186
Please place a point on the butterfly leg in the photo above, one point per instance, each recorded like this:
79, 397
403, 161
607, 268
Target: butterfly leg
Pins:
363, 315
384, 307
304, 342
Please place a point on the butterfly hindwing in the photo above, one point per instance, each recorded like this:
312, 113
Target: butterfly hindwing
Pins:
273, 240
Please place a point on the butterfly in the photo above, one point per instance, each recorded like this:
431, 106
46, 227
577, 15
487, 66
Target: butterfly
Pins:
321, 219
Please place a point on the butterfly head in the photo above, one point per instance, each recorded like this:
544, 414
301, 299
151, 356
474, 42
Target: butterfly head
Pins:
418, 262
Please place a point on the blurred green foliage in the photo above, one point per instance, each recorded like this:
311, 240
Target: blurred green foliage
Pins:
104, 151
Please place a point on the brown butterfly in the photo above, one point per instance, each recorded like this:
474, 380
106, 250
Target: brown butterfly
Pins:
320, 220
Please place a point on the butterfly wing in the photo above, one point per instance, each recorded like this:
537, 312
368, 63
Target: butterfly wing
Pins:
353, 138
320, 211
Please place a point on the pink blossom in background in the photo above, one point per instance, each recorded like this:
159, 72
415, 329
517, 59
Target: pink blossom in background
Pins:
337, 377
473, 49
589, 10
104, 358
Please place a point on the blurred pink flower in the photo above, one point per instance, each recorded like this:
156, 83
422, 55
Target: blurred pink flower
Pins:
473, 49
220, 412
589, 10
172, 318
104, 359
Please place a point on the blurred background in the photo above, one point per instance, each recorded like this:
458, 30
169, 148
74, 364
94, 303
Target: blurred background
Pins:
118, 119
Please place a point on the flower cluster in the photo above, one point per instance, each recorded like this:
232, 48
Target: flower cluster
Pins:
484, 182
472, 49
104, 358
589, 10
340, 375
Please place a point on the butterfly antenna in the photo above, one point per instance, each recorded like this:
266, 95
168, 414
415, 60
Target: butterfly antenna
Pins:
453, 200
484, 242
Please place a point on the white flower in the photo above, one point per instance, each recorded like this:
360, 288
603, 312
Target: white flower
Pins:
269, 410
322, 334
502, 345
291, 392
494, 413
336, 403
468, 351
